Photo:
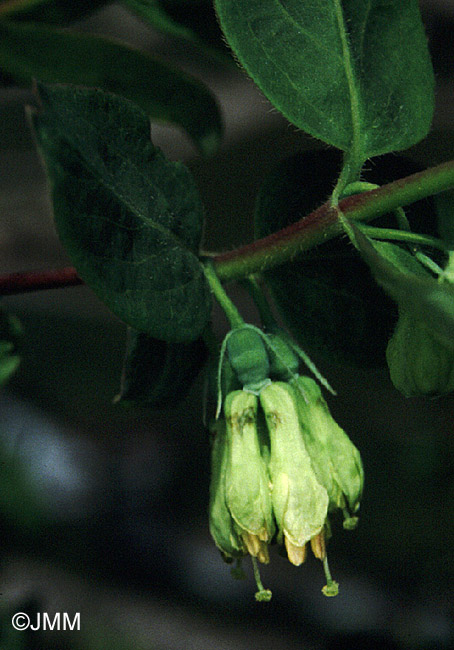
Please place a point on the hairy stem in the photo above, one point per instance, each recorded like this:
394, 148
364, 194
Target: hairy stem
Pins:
230, 309
324, 224
282, 246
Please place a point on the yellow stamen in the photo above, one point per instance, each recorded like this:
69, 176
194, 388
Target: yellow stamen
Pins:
318, 546
256, 547
296, 554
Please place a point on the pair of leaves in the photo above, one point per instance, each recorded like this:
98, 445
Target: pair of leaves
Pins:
328, 296
38, 50
130, 220
354, 73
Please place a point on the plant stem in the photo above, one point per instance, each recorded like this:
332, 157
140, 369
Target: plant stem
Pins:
38, 280
319, 226
231, 311
323, 224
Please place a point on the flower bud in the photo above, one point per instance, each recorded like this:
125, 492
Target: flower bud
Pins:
222, 526
419, 363
335, 459
246, 478
300, 502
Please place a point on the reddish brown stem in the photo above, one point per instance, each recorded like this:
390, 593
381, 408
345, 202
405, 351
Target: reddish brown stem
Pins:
282, 246
38, 280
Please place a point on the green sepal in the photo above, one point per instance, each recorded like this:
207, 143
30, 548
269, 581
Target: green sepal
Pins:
419, 362
222, 526
335, 459
247, 483
300, 502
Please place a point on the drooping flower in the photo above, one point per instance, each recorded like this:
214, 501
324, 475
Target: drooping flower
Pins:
300, 502
246, 478
335, 459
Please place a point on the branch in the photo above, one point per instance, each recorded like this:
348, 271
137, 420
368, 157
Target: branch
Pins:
323, 223
282, 246
38, 280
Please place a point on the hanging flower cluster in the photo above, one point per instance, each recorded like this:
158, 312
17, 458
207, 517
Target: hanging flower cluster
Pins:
280, 463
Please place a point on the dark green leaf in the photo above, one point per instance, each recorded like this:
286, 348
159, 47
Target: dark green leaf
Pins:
159, 374
10, 337
130, 219
193, 22
167, 94
55, 12
327, 296
354, 73
414, 290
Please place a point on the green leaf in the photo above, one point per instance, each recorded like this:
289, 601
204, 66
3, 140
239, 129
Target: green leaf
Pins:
130, 220
406, 281
167, 94
10, 339
159, 374
193, 22
328, 297
354, 73
56, 12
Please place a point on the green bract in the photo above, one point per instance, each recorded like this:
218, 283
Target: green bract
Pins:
336, 461
284, 362
419, 363
300, 502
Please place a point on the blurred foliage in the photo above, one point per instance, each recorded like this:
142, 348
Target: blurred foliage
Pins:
10, 343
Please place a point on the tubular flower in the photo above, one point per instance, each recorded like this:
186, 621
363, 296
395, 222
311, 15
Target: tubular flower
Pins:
246, 478
300, 502
222, 526
335, 459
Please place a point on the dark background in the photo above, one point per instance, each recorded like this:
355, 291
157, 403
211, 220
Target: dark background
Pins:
103, 510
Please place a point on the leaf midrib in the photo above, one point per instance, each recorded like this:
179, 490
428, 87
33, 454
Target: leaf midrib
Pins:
355, 104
